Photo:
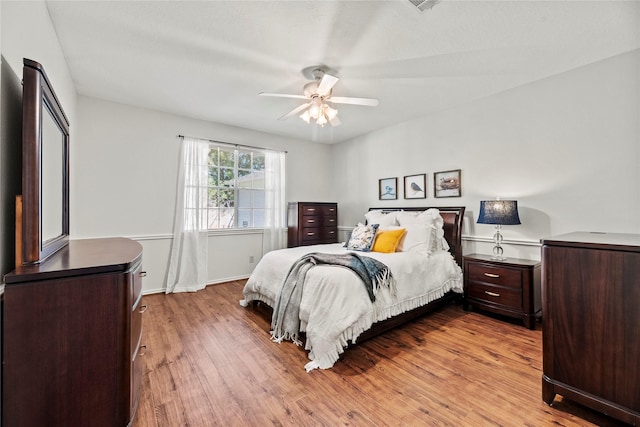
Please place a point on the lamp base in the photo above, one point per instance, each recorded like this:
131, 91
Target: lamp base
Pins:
497, 249
497, 253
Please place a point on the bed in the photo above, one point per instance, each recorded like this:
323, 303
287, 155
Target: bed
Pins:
336, 310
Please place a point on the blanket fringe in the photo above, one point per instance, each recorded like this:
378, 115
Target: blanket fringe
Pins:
328, 359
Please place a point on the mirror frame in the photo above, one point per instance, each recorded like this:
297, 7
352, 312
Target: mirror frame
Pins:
38, 94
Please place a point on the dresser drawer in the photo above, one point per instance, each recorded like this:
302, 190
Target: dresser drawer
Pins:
311, 221
495, 275
311, 234
507, 297
330, 234
312, 210
135, 284
330, 221
136, 326
136, 380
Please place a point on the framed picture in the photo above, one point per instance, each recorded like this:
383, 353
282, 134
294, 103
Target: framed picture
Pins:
447, 183
415, 186
388, 188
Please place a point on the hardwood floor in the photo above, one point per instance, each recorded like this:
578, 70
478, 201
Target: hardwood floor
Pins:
209, 362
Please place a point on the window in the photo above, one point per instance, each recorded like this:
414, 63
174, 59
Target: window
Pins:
235, 187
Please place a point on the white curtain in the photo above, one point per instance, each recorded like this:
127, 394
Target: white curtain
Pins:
275, 209
188, 262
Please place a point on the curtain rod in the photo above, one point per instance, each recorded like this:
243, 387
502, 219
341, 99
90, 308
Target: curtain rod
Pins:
234, 144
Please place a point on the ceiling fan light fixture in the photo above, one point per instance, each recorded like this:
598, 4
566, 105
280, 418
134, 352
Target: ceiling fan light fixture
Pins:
331, 113
316, 108
306, 116
322, 120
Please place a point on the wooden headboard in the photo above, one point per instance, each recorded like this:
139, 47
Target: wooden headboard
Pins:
452, 217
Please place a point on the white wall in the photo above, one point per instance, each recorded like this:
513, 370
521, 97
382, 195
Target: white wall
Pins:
26, 32
566, 147
125, 167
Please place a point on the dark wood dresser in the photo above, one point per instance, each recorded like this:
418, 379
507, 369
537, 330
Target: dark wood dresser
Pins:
312, 223
72, 329
510, 287
591, 328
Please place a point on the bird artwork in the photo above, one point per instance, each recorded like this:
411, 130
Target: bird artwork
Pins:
388, 189
414, 190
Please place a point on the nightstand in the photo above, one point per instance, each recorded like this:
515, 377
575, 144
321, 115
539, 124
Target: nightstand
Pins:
510, 287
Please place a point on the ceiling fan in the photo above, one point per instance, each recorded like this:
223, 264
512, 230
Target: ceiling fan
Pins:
318, 94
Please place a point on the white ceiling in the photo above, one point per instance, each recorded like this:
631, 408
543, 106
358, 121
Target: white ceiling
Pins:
210, 59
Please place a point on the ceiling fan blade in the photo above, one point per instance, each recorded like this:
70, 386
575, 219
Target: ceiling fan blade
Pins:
369, 102
294, 111
282, 95
326, 84
335, 121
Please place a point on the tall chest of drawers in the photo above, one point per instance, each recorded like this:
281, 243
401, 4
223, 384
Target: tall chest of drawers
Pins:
312, 223
591, 327
72, 329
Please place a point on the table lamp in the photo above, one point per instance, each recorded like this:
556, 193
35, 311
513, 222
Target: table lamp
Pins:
499, 213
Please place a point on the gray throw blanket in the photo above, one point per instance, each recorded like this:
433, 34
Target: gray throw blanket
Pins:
285, 322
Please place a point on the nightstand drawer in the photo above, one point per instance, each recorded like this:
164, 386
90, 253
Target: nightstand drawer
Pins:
507, 297
495, 275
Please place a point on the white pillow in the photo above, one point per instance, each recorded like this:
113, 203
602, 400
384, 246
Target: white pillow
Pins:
416, 239
429, 232
382, 218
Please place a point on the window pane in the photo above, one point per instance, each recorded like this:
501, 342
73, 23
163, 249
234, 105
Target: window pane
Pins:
244, 160
227, 218
244, 218
258, 162
244, 198
227, 158
258, 199
226, 198
244, 178
213, 176
227, 177
213, 157
213, 218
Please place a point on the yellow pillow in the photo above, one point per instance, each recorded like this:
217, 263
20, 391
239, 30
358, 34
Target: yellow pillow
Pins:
387, 240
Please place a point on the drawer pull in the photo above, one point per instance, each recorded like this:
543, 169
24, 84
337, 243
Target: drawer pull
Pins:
311, 209
309, 221
143, 308
143, 274
142, 350
492, 275
311, 234
492, 294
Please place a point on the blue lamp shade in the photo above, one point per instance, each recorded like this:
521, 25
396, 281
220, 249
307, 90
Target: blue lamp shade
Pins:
499, 212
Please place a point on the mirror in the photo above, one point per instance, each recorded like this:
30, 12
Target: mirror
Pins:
45, 167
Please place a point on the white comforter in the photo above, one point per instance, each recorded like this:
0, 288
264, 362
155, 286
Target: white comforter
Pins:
335, 306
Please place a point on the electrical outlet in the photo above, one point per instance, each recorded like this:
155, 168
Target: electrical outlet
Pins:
251, 260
